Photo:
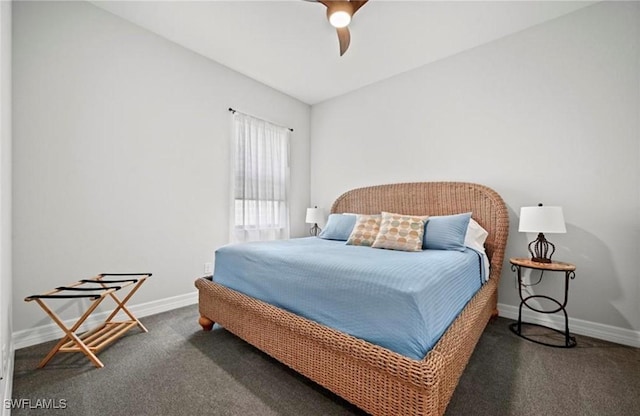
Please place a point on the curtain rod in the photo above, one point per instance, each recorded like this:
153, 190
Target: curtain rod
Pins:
236, 111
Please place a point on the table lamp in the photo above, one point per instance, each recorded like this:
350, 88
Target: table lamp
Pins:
314, 216
541, 220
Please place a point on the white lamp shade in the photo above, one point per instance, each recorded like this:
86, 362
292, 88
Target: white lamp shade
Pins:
541, 219
314, 215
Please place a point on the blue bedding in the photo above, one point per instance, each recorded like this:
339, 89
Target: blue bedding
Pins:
403, 301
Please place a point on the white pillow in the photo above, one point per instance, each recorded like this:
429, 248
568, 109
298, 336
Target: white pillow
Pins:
476, 236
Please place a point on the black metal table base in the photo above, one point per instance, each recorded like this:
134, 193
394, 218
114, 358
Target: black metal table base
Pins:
570, 341
516, 328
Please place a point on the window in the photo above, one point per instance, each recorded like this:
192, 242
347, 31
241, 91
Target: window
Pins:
260, 168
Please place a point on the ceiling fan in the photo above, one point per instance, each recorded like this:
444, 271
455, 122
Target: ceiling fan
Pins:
340, 13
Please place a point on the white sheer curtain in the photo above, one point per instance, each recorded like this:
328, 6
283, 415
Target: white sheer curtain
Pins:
260, 175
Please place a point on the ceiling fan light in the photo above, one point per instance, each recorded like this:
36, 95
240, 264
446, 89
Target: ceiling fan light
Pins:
340, 18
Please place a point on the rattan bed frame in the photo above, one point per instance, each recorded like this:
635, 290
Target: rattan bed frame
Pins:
373, 378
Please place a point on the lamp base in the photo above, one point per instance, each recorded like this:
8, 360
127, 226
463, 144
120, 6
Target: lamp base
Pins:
315, 230
540, 260
540, 248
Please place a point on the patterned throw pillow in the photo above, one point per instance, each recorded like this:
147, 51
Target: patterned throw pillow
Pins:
400, 232
365, 231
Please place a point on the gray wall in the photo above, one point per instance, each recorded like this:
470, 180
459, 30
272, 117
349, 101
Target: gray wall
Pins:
121, 154
550, 115
5, 200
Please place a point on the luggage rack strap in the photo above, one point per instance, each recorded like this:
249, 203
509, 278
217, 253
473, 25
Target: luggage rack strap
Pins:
125, 274
91, 296
108, 281
88, 289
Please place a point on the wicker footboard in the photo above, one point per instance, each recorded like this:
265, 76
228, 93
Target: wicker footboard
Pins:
373, 378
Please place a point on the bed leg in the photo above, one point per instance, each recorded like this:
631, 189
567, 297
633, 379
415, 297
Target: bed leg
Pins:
205, 323
494, 315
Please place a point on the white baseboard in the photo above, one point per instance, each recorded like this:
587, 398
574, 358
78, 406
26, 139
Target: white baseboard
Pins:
7, 382
576, 326
44, 333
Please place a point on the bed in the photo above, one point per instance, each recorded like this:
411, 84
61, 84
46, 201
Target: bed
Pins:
376, 379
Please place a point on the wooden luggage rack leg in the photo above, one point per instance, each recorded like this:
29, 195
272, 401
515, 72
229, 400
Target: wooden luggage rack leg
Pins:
91, 342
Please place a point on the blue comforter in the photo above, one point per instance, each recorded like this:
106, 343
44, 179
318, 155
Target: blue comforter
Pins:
403, 301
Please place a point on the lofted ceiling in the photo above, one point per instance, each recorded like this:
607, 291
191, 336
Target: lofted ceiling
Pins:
290, 46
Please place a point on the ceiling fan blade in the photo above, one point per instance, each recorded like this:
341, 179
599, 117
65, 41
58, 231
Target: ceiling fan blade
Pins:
345, 38
357, 4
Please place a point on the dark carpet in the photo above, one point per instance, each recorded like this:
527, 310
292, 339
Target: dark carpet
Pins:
177, 369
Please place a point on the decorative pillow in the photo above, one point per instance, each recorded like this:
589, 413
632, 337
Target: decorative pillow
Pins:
476, 236
339, 227
446, 232
400, 232
365, 231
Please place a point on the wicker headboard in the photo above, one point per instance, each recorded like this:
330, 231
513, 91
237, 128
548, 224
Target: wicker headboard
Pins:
437, 198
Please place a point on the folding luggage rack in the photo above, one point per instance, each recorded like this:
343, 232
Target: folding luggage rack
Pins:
95, 289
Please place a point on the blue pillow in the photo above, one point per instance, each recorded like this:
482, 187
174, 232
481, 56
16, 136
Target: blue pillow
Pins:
446, 232
339, 227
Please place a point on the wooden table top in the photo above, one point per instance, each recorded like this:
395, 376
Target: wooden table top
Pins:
557, 266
